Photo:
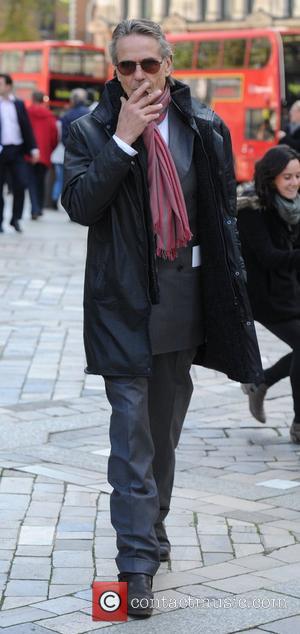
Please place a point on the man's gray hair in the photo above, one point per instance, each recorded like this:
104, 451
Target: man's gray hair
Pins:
78, 95
296, 105
140, 27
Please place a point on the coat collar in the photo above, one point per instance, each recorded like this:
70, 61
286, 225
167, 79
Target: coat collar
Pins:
108, 109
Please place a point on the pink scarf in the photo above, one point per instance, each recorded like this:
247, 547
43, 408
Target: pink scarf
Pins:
169, 214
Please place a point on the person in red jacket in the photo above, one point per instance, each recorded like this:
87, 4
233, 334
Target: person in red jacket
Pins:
45, 130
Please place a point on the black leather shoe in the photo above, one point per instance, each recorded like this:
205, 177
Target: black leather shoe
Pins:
16, 225
164, 544
139, 593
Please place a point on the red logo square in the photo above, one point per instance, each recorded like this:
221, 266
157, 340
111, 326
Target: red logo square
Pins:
109, 601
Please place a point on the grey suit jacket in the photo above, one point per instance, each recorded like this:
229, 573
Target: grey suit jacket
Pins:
176, 322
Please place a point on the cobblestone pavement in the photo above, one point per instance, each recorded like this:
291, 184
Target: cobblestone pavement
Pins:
235, 520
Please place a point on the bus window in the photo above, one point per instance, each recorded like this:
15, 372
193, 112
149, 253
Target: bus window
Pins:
212, 89
260, 124
291, 51
226, 88
32, 62
183, 55
94, 64
260, 52
209, 54
66, 60
234, 53
11, 61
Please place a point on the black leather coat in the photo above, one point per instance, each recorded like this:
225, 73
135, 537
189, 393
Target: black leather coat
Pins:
106, 190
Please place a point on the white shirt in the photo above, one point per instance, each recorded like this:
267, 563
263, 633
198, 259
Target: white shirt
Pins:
164, 131
10, 129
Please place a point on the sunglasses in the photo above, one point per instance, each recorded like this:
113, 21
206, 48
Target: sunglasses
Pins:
148, 65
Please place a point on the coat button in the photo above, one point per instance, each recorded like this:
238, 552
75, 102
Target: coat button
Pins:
108, 126
228, 222
132, 162
179, 267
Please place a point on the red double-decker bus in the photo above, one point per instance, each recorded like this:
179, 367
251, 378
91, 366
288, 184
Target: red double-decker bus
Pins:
53, 67
249, 77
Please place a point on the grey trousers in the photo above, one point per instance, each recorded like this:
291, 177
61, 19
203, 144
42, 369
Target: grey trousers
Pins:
145, 426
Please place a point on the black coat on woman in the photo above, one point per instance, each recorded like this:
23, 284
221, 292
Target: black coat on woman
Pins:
272, 259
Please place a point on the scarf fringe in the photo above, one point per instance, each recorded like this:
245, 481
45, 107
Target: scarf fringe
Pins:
171, 254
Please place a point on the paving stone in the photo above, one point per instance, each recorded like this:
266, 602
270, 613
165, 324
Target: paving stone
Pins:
18, 588
18, 602
33, 568
284, 626
76, 623
21, 615
72, 559
238, 585
59, 590
36, 535
66, 575
63, 605
26, 628
221, 571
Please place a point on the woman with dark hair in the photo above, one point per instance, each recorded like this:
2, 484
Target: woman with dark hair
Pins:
269, 227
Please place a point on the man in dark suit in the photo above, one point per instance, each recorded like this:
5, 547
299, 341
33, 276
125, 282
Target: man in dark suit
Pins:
16, 140
150, 171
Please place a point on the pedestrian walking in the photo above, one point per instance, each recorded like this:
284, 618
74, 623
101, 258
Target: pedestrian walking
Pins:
45, 130
291, 135
150, 172
78, 108
269, 227
57, 161
16, 140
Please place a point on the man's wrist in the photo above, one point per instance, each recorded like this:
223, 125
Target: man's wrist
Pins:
124, 145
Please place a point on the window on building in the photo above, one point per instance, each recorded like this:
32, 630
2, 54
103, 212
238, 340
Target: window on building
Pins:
146, 9
296, 9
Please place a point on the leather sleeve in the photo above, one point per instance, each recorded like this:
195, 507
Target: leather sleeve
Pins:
91, 183
223, 149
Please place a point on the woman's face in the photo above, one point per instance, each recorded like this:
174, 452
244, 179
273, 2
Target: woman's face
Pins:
287, 182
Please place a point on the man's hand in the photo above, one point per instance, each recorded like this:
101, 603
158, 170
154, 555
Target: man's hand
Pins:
35, 155
136, 112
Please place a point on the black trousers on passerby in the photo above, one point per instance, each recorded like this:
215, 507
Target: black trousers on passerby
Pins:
37, 174
289, 365
14, 167
146, 422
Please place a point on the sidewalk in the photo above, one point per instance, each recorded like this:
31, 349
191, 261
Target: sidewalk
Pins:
235, 519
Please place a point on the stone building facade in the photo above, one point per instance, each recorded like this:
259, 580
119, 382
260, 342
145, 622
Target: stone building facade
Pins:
94, 19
